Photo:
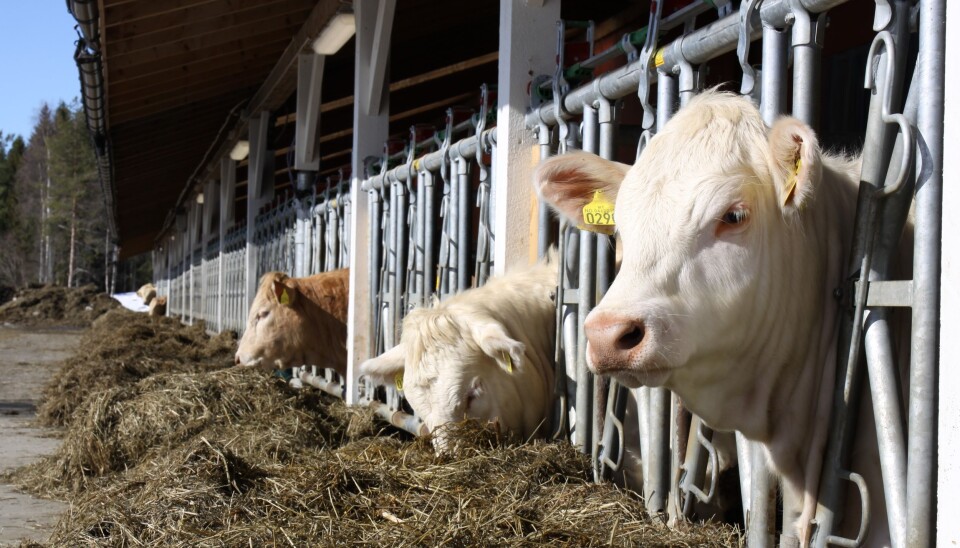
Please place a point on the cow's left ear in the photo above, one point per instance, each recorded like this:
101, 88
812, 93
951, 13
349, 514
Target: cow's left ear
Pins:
797, 166
285, 291
387, 368
493, 339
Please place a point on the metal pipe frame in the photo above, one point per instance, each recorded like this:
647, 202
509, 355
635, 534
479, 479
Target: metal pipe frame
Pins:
922, 439
695, 48
877, 149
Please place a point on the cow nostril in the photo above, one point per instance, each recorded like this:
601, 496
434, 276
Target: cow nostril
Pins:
631, 339
236, 360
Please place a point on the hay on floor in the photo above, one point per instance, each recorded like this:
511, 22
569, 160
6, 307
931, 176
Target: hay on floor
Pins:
55, 306
123, 347
165, 446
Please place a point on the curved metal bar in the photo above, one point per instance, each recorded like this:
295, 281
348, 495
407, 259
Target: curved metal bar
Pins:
907, 157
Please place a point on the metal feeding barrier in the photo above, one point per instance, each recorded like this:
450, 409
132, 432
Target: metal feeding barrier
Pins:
676, 447
430, 215
422, 242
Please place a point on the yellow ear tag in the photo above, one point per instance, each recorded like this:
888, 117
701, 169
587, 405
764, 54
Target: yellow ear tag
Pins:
284, 297
598, 214
792, 183
398, 381
509, 360
438, 283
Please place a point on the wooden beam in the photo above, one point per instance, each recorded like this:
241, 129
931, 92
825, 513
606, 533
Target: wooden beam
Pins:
157, 71
128, 115
204, 47
179, 80
154, 101
116, 13
399, 85
125, 30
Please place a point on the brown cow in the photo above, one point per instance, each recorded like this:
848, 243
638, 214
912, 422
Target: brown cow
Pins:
298, 321
158, 306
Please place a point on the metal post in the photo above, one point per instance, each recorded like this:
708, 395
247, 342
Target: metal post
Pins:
761, 514
948, 420
255, 183
429, 269
773, 94
922, 440
543, 210
807, 42
370, 128
587, 425
464, 222
878, 145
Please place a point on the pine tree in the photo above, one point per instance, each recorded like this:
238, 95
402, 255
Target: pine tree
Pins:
73, 195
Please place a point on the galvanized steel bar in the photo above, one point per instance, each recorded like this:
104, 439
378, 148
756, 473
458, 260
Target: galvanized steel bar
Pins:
399, 419
698, 47
807, 43
922, 440
464, 222
587, 416
878, 145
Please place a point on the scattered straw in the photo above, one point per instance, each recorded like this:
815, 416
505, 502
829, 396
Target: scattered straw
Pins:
233, 457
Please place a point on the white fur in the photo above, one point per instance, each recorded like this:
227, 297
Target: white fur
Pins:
454, 356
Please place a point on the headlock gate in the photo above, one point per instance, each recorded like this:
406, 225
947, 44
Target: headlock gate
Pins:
437, 213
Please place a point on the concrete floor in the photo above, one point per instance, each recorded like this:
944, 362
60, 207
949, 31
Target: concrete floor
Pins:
27, 360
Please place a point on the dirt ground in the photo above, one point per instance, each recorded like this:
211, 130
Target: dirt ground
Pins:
27, 360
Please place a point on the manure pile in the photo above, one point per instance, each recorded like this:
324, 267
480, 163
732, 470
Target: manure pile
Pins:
234, 457
55, 306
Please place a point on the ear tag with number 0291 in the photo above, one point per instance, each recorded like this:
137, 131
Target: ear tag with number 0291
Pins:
598, 214
285, 297
398, 381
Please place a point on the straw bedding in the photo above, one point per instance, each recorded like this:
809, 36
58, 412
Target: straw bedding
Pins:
234, 457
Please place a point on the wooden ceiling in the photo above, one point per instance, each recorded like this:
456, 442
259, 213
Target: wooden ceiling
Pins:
178, 73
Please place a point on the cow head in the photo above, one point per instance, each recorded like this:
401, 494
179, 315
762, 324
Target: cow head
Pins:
707, 217
452, 366
275, 326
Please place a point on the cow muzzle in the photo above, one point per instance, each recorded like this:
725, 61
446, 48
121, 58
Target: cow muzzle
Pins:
616, 342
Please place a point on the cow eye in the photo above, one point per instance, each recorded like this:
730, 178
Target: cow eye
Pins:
734, 216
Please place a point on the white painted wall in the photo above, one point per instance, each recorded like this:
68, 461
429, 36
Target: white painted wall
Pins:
528, 42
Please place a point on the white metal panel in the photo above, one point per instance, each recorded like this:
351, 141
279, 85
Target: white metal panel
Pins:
527, 47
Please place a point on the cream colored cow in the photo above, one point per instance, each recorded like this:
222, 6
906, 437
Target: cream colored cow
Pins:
735, 237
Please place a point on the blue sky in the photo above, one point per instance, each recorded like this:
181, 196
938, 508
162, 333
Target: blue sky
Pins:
38, 62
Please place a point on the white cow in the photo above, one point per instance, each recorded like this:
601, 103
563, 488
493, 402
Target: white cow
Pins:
735, 237
486, 353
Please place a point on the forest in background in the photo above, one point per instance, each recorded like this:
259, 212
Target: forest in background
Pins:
53, 219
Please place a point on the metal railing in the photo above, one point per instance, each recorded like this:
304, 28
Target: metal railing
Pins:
430, 221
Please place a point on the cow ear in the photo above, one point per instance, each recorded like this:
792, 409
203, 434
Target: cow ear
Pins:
570, 181
493, 339
797, 166
284, 290
385, 368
